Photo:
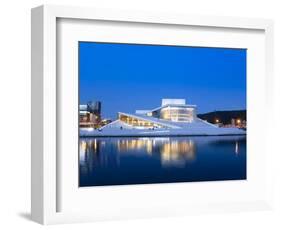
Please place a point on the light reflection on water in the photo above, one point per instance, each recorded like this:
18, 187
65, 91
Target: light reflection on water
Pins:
101, 158
170, 151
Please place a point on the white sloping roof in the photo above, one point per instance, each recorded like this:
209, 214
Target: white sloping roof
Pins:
142, 111
151, 119
168, 101
171, 124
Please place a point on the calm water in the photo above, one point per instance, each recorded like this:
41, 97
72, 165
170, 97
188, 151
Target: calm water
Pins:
118, 161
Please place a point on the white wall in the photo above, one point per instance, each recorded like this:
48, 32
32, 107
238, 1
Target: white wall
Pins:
15, 106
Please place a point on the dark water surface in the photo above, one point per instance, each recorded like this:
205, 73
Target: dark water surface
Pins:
119, 161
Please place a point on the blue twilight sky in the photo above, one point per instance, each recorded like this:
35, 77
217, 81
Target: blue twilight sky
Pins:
126, 77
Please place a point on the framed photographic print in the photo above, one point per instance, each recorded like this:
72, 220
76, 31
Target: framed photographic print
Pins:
142, 114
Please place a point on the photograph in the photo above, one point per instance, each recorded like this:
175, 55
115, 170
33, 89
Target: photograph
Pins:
153, 113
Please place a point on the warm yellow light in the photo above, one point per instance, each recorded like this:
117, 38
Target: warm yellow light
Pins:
217, 120
238, 121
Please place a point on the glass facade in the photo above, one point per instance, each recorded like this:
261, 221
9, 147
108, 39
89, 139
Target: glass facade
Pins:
137, 122
173, 113
177, 114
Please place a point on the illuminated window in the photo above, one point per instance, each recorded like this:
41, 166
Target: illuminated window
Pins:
138, 122
177, 114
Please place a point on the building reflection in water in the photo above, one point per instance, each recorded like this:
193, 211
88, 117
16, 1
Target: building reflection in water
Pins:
96, 153
169, 151
144, 145
236, 147
172, 152
177, 153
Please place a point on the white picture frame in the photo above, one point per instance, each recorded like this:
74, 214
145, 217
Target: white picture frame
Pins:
46, 172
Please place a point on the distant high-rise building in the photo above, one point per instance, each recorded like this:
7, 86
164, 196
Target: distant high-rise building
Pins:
90, 114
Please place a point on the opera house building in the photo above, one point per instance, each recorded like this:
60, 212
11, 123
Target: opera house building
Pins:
173, 118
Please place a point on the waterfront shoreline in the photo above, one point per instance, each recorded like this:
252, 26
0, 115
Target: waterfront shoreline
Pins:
162, 135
